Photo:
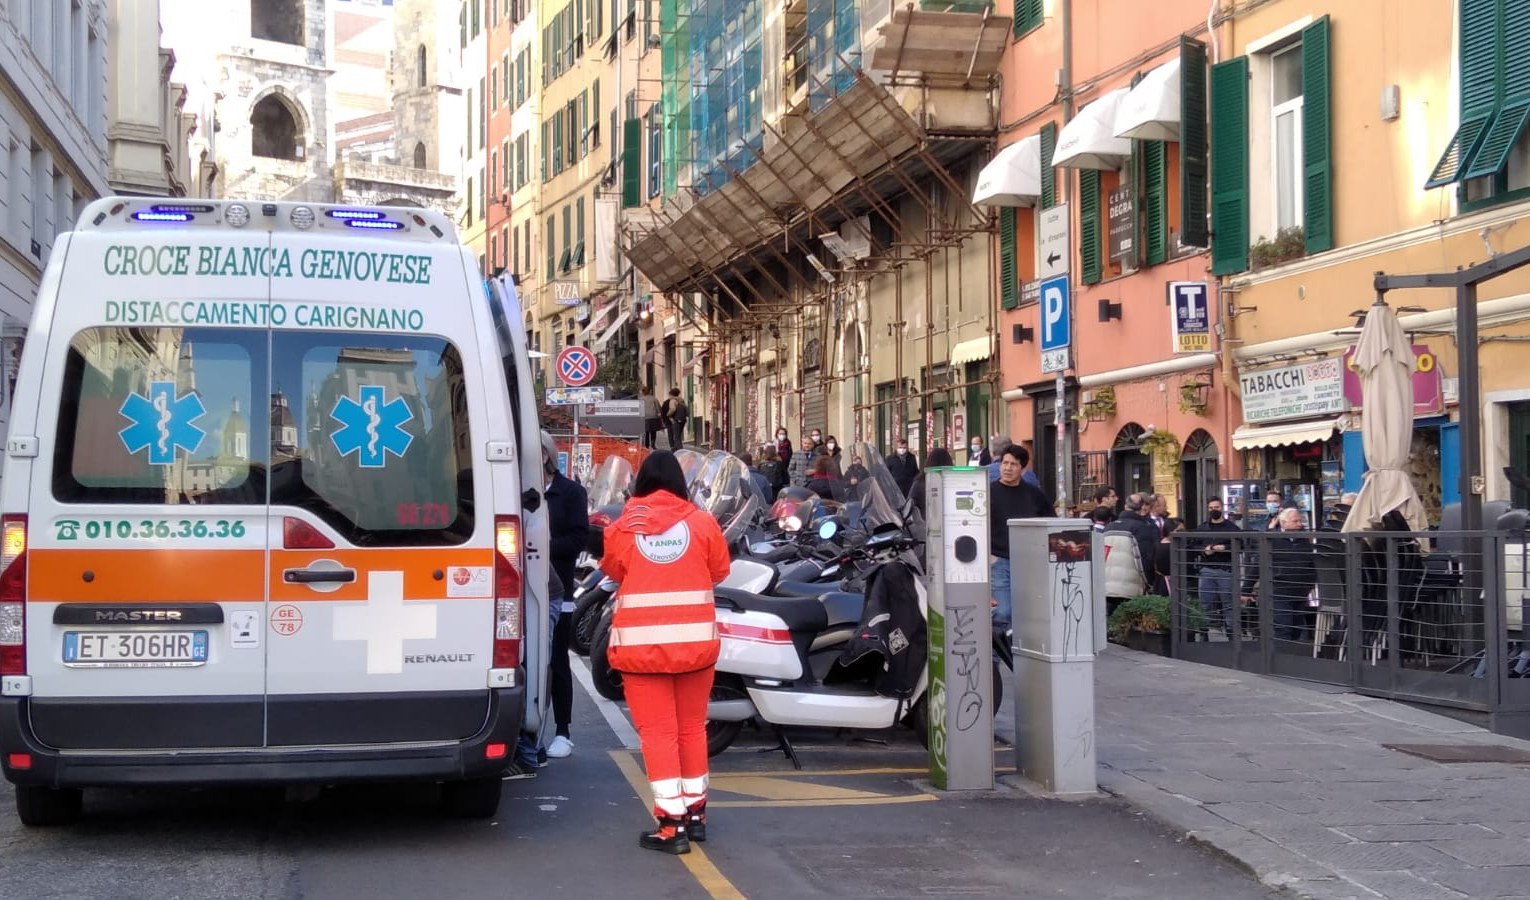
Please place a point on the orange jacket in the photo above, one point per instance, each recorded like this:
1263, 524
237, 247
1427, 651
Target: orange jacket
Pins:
666, 554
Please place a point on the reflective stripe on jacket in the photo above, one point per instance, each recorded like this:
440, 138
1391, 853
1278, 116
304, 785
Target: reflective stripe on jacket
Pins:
666, 554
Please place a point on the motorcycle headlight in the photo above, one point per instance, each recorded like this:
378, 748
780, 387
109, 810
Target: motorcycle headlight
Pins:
791, 523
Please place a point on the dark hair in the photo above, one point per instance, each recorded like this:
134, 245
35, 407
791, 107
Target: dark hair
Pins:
674, 392
1171, 525
1102, 514
1100, 493
939, 456
660, 472
746, 458
821, 467
1021, 455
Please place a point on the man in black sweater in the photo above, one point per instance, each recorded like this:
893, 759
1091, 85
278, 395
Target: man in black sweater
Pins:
1214, 556
1009, 498
903, 466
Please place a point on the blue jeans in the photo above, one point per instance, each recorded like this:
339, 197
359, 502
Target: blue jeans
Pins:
998, 580
1216, 592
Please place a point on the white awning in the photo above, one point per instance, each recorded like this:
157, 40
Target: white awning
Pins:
605, 336
598, 321
1089, 141
1012, 177
1286, 434
971, 351
1151, 111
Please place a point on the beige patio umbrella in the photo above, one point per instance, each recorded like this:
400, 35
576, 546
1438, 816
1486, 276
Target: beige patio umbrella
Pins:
1384, 361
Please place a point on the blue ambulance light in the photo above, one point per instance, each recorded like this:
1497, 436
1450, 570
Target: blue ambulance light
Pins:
384, 225
163, 216
181, 208
355, 214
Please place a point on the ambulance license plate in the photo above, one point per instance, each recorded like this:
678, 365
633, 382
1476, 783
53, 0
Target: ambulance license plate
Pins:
134, 649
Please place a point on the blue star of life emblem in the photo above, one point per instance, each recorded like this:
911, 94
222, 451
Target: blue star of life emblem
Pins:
162, 422
371, 428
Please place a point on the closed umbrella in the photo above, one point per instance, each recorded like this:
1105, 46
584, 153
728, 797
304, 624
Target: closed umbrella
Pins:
1384, 361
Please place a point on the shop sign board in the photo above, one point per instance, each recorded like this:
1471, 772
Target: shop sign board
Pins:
1428, 382
1302, 391
1122, 225
1192, 316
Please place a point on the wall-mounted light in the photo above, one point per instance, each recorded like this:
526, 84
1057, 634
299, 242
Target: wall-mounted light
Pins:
1109, 310
1022, 334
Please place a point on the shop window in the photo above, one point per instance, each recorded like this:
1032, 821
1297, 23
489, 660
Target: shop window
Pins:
277, 20
419, 155
274, 130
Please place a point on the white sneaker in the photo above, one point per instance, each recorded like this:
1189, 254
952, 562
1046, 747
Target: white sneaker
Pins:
560, 748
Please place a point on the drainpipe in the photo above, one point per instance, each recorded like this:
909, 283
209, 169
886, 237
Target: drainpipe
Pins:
1060, 398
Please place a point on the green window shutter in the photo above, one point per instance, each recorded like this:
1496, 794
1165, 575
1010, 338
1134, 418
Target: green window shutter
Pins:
632, 168
1089, 225
1229, 166
542, 153
1155, 201
1192, 144
1009, 272
552, 244
1479, 90
1514, 109
1028, 15
1048, 173
1317, 139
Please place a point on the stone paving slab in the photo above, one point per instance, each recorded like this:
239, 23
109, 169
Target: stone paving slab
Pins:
1293, 781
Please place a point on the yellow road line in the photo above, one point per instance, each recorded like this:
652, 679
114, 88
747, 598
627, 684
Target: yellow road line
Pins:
771, 787
832, 773
701, 868
875, 800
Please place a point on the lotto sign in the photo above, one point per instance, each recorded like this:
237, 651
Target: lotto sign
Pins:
576, 366
1192, 316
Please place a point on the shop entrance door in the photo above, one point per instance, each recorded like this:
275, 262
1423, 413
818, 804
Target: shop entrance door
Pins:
1133, 469
1199, 475
1519, 449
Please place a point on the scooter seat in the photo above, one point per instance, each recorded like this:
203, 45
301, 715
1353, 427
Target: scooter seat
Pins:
800, 589
801, 614
843, 608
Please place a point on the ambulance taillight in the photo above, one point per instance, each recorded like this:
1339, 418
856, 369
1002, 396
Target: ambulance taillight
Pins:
13, 595
508, 599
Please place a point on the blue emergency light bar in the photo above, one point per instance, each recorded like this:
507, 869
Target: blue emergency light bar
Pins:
350, 215
151, 216
383, 225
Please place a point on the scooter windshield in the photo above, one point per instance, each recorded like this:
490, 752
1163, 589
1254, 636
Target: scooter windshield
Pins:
722, 488
612, 484
881, 498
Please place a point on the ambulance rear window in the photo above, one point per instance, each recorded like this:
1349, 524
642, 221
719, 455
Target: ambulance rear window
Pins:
162, 415
379, 445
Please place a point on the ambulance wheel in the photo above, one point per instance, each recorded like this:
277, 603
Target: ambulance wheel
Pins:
42, 807
474, 798
721, 735
607, 681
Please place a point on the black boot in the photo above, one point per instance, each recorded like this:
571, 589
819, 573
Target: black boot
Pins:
696, 822
669, 837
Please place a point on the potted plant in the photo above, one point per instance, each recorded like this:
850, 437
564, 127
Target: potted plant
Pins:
1143, 623
1160, 442
1287, 244
1192, 397
1100, 406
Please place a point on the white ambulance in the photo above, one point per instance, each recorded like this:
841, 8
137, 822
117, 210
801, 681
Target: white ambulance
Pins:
262, 518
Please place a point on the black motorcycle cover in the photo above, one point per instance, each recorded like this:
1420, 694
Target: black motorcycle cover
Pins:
891, 642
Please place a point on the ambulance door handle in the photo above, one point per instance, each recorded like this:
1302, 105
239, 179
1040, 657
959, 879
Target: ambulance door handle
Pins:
319, 576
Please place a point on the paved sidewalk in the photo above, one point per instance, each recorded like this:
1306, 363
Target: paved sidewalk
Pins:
1292, 780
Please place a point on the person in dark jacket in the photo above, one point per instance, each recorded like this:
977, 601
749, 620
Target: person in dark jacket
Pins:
1291, 577
774, 470
783, 445
1163, 557
569, 518
1134, 520
1009, 498
832, 450
937, 457
757, 477
821, 480
1213, 555
903, 466
855, 475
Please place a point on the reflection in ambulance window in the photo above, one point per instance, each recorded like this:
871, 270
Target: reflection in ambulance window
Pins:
373, 437
161, 415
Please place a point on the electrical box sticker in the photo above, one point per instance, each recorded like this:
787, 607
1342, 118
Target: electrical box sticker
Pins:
162, 422
371, 428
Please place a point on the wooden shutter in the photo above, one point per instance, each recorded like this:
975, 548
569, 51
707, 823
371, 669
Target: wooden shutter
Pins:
1155, 201
1513, 94
1479, 90
1009, 276
1089, 225
632, 168
1229, 166
1028, 15
1192, 144
1317, 139
1048, 173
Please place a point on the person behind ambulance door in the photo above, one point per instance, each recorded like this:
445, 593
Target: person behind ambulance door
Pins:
667, 554
569, 522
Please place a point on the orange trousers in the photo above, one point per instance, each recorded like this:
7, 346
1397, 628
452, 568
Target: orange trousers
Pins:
670, 712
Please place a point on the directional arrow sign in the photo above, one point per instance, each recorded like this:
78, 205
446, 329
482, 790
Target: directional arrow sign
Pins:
1053, 252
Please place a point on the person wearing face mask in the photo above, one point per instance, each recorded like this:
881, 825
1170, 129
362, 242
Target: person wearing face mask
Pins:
903, 466
832, 449
783, 445
817, 437
977, 454
1272, 509
1214, 558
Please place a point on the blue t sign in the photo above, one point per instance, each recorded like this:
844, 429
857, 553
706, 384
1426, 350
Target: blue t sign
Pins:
1055, 320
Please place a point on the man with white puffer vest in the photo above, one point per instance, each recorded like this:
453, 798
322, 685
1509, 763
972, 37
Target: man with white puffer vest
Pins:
667, 554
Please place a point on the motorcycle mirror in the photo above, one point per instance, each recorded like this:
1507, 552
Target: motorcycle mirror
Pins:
827, 530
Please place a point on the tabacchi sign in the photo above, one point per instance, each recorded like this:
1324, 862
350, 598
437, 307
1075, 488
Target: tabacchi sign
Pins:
1294, 392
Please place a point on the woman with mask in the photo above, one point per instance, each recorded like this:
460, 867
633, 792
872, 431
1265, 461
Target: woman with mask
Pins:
667, 554
783, 445
831, 449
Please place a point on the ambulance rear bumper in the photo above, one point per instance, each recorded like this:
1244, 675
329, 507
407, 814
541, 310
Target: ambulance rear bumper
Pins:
478, 756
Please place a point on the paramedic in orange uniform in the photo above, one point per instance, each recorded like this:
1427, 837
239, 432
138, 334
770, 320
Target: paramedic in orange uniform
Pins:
667, 554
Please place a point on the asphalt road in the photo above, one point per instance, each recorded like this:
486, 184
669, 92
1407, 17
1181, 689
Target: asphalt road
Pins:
858, 821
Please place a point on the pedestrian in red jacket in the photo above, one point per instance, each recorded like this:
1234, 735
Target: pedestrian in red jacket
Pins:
667, 554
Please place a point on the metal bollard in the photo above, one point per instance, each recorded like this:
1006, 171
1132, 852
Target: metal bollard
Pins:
1056, 598
960, 629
